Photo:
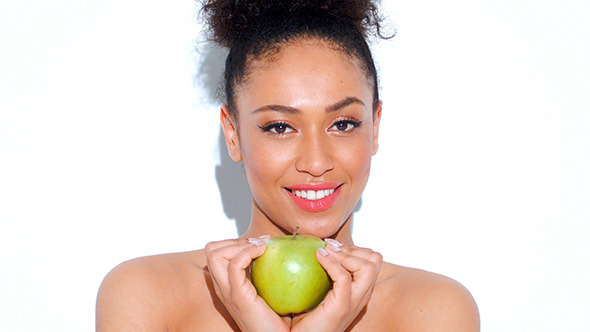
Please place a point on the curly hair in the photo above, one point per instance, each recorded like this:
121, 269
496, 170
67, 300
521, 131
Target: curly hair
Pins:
257, 28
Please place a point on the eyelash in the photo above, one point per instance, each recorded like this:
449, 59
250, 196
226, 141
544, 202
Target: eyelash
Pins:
355, 124
274, 125
285, 128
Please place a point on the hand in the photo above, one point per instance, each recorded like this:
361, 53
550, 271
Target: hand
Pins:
354, 273
228, 261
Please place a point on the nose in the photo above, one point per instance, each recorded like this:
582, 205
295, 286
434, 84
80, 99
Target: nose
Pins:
315, 155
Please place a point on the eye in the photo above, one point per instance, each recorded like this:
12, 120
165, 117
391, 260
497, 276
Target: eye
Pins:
279, 128
345, 125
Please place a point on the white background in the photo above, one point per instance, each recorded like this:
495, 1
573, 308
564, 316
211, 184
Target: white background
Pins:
109, 150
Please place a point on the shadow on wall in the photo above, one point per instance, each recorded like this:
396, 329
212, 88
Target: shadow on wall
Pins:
230, 177
233, 187
210, 62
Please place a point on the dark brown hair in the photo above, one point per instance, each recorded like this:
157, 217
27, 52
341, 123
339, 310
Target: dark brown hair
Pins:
256, 28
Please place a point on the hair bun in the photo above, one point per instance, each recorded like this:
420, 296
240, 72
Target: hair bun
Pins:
229, 18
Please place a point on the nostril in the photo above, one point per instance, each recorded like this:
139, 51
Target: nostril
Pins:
314, 155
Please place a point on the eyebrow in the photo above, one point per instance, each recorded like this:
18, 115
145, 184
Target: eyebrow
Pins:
344, 103
292, 110
277, 108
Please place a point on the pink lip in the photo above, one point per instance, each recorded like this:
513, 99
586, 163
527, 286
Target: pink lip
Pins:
315, 205
315, 186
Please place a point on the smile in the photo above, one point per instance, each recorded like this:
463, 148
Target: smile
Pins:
314, 197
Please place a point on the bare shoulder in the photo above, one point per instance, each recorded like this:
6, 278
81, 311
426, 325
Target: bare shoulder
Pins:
146, 293
424, 301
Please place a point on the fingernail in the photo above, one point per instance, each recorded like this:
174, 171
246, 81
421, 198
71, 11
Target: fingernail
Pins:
255, 241
333, 247
323, 252
264, 237
333, 242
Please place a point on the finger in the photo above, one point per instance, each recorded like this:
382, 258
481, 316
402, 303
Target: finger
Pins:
213, 246
214, 265
218, 260
364, 274
223, 243
341, 278
359, 267
355, 259
362, 253
366, 253
238, 281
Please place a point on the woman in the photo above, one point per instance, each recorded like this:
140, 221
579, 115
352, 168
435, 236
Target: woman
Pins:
302, 115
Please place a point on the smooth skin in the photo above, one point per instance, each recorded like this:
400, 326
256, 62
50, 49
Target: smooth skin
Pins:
306, 116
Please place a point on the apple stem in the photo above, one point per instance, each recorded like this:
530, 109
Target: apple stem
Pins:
295, 233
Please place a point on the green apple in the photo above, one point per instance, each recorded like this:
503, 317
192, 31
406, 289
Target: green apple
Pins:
288, 276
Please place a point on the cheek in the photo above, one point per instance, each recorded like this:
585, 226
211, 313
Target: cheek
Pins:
264, 161
357, 161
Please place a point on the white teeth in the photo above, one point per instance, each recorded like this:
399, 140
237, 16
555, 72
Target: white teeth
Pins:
313, 195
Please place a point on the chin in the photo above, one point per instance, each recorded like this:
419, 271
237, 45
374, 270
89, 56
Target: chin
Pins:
319, 228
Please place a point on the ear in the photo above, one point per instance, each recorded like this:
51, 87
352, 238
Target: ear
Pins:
230, 131
376, 121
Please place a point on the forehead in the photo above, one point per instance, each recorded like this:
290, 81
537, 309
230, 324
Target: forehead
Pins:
305, 70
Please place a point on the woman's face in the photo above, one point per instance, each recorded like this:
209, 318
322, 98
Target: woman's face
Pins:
306, 132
